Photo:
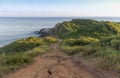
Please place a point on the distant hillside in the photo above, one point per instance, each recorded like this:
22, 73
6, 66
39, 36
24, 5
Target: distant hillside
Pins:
87, 27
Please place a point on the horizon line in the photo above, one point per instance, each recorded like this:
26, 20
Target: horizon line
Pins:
54, 16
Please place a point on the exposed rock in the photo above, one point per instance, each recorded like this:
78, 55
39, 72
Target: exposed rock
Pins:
49, 31
45, 32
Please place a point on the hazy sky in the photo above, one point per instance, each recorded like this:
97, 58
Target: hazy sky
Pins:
52, 8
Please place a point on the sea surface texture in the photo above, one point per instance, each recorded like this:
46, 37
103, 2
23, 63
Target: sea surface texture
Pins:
13, 28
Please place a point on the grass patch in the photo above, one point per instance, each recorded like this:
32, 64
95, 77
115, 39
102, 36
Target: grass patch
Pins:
91, 38
70, 50
107, 49
21, 53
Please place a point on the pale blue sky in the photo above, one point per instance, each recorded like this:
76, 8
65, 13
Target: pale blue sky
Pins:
53, 8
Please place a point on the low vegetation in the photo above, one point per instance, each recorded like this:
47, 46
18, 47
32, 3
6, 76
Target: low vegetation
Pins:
91, 38
21, 52
49, 39
82, 37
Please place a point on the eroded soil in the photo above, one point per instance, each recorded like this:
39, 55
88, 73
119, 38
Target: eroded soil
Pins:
54, 64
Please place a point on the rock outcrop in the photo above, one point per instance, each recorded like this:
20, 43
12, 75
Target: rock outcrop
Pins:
49, 31
45, 32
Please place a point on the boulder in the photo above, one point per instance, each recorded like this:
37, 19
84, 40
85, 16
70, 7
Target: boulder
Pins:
45, 32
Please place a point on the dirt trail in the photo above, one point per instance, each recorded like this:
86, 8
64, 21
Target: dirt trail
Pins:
54, 64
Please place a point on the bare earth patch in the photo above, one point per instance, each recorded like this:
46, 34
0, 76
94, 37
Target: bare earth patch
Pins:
54, 64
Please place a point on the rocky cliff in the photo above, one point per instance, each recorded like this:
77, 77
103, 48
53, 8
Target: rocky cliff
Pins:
50, 31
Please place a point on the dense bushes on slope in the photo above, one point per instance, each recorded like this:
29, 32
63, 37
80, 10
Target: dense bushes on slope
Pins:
87, 27
99, 39
108, 49
50, 39
21, 52
27, 44
80, 41
22, 45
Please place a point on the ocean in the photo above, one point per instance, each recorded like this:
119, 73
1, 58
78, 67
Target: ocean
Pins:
13, 28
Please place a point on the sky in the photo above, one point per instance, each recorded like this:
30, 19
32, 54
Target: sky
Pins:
59, 8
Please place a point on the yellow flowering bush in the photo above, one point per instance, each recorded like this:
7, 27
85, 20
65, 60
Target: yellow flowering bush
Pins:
23, 44
80, 41
50, 39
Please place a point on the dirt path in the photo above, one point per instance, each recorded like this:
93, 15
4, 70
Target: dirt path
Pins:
54, 64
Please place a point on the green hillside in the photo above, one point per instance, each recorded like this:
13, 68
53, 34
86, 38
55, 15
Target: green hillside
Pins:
20, 53
91, 38
87, 27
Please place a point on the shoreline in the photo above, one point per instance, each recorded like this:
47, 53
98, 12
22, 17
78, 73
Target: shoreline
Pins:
63, 18
10, 41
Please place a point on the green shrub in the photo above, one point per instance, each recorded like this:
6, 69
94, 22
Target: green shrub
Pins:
88, 50
71, 50
81, 41
20, 53
50, 39
115, 44
99, 39
111, 56
17, 59
38, 50
22, 45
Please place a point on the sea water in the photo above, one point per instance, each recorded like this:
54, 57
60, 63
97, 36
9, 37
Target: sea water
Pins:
13, 28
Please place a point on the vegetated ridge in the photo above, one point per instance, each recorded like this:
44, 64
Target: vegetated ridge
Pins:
97, 42
90, 49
